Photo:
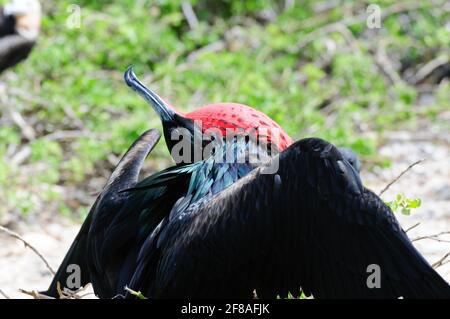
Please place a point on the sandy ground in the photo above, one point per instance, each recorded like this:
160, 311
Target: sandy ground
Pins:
430, 181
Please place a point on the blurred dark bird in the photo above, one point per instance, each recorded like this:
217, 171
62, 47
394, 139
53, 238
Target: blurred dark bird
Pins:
19, 30
224, 229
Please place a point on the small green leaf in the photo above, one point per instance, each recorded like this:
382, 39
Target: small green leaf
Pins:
138, 294
406, 211
404, 204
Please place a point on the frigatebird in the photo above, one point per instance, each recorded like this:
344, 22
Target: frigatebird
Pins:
227, 229
19, 30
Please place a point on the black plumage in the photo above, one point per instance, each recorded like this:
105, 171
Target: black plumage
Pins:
215, 229
105, 208
19, 27
260, 234
312, 226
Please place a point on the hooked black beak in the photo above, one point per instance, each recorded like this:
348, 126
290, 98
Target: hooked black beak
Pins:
165, 112
172, 121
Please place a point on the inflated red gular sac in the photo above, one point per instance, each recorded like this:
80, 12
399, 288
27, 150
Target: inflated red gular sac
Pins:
233, 116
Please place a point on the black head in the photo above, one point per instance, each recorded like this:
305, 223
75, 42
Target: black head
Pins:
177, 128
351, 157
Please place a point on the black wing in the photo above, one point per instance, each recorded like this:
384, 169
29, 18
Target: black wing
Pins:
124, 176
312, 226
13, 49
116, 237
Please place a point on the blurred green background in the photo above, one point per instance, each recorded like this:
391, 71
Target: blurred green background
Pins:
313, 66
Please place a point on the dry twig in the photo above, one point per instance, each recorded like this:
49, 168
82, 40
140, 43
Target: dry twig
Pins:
441, 261
428, 68
27, 244
399, 176
213, 47
26, 129
385, 65
189, 13
434, 237
4, 294
35, 294
412, 227
63, 294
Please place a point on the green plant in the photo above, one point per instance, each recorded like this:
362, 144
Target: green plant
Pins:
403, 204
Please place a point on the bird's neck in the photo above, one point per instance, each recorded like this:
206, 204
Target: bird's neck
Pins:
229, 162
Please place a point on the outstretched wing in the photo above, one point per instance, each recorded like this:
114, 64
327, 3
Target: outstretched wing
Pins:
125, 175
311, 226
